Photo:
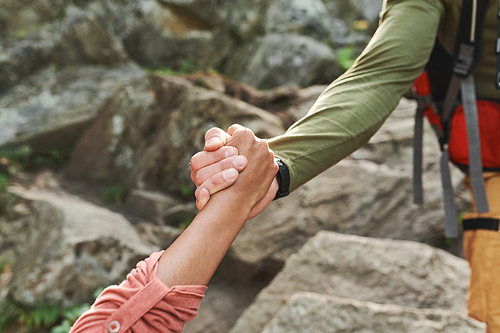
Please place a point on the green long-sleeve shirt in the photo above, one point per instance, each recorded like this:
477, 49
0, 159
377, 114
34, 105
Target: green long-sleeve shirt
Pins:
353, 107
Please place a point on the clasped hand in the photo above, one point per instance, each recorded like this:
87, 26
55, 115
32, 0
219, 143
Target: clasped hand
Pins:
224, 157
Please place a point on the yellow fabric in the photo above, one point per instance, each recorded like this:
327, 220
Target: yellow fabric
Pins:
482, 251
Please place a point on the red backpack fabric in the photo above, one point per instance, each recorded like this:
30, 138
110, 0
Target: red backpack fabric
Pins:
488, 113
489, 128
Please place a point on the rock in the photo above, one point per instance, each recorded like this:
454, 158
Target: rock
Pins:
24, 57
331, 22
353, 197
303, 17
357, 196
81, 39
223, 303
52, 108
67, 248
277, 59
374, 270
146, 134
241, 17
261, 98
163, 37
158, 236
160, 208
78, 40
18, 18
304, 100
319, 313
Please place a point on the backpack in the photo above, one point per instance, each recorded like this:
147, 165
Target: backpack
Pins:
468, 133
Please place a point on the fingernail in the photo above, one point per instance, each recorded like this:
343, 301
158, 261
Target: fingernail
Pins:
239, 162
203, 202
214, 141
230, 174
230, 152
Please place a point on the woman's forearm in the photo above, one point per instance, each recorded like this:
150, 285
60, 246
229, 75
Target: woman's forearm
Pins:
193, 258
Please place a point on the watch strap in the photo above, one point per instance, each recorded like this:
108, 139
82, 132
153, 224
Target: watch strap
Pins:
283, 177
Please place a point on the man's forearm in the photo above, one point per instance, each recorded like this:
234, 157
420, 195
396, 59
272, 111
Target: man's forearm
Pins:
353, 107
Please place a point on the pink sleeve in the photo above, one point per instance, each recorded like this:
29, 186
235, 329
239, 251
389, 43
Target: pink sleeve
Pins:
142, 303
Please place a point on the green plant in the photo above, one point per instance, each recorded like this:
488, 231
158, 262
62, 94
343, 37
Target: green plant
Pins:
15, 159
15, 155
184, 67
42, 315
346, 56
4, 183
114, 194
4, 263
7, 200
185, 190
69, 316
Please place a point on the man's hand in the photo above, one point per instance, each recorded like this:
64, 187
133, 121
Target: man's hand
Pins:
217, 167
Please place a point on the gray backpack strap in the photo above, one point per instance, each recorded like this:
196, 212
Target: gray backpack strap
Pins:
475, 166
418, 193
450, 211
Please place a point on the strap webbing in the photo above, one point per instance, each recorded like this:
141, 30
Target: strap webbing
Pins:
449, 100
480, 223
450, 212
418, 193
475, 166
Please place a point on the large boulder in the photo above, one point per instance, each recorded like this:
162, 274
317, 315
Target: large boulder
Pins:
52, 108
241, 17
302, 17
365, 269
309, 312
78, 39
146, 133
20, 17
369, 194
81, 39
163, 37
277, 59
66, 248
332, 22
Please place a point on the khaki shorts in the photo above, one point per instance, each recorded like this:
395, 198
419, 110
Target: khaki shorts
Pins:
482, 251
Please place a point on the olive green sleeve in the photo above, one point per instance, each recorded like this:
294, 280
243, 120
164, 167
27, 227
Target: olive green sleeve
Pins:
355, 105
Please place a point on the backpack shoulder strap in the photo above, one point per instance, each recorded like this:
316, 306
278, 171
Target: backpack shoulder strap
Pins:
466, 54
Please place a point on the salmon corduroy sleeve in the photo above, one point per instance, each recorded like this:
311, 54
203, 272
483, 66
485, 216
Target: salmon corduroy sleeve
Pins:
142, 303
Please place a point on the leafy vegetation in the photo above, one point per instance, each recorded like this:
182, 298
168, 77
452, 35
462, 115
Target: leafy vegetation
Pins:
184, 67
184, 190
17, 159
114, 194
346, 56
45, 315
29, 316
69, 316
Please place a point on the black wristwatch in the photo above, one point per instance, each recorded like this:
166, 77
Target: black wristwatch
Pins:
283, 177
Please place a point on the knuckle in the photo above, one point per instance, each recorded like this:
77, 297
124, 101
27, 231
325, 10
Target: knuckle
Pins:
196, 161
212, 132
199, 178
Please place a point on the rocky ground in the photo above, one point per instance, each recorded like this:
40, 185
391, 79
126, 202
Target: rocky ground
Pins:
65, 242
102, 104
